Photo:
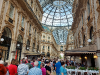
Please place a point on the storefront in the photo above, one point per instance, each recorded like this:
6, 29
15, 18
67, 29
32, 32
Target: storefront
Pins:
5, 43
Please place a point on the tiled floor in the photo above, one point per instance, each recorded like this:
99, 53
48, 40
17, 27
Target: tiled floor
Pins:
53, 73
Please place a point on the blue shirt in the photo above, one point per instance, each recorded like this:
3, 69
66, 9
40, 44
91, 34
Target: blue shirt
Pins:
63, 70
35, 71
22, 69
39, 63
58, 65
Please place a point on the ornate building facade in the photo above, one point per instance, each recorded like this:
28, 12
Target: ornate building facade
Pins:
20, 28
86, 29
49, 48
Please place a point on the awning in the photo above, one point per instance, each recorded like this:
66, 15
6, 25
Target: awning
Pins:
3, 48
76, 52
30, 53
91, 49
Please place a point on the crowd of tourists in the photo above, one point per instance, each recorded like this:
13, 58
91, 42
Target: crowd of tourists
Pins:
34, 67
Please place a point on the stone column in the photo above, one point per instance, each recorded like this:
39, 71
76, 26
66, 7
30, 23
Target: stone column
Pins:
23, 50
12, 50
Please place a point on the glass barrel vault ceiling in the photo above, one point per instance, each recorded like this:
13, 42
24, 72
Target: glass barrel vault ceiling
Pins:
57, 12
58, 16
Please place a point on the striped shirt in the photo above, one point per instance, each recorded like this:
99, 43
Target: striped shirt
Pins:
22, 69
35, 71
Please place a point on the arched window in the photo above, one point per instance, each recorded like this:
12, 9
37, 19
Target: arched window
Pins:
20, 39
7, 32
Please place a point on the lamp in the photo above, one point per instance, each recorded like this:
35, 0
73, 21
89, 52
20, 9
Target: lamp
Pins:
85, 57
2, 39
81, 46
80, 58
28, 48
89, 40
18, 45
95, 56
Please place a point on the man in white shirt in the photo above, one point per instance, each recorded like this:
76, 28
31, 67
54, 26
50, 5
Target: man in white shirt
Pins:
23, 68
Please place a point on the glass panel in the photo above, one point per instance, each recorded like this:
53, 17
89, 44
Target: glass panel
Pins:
22, 22
11, 11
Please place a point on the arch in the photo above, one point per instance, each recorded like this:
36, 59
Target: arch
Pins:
10, 30
7, 32
20, 39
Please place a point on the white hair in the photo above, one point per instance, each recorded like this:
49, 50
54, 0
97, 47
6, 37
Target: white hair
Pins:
1, 62
58, 59
36, 63
25, 58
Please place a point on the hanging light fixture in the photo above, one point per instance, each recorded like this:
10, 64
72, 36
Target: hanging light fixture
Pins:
85, 57
95, 56
80, 58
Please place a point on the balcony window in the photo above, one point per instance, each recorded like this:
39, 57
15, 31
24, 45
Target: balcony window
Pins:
11, 11
22, 24
43, 47
48, 37
43, 36
82, 19
48, 48
61, 48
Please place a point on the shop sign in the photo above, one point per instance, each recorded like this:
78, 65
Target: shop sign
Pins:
3, 48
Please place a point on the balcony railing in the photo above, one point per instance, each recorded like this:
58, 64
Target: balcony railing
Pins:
10, 20
22, 28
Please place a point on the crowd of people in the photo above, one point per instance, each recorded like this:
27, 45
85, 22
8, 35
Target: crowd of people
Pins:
34, 67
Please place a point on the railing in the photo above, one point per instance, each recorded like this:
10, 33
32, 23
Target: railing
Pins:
10, 20
88, 48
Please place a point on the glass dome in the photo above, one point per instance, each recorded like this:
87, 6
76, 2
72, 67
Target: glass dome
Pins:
57, 12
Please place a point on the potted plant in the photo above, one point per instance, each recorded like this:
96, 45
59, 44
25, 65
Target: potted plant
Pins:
82, 68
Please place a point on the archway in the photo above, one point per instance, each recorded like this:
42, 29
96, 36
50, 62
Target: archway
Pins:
19, 47
6, 42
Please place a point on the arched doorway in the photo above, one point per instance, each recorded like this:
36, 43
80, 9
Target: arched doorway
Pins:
6, 42
19, 47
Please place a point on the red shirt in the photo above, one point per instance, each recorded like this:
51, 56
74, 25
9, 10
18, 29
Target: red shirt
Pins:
3, 70
12, 69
